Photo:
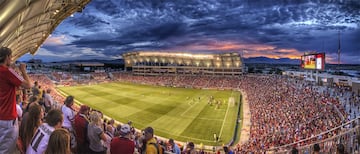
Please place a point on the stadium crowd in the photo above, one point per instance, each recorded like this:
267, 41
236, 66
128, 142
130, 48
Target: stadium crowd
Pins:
283, 110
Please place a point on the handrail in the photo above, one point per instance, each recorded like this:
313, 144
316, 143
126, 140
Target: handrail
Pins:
294, 143
325, 140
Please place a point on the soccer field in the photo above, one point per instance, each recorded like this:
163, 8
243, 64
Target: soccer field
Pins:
180, 113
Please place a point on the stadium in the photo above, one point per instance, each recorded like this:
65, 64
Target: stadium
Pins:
174, 63
207, 99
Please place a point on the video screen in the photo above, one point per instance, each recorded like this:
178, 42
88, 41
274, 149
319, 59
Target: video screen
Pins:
313, 61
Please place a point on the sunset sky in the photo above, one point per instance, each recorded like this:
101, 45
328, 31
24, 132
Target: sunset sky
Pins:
271, 28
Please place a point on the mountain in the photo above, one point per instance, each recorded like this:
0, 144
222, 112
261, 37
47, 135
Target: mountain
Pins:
115, 61
250, 60
271, 60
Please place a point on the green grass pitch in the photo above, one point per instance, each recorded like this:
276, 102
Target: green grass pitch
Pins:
173, 112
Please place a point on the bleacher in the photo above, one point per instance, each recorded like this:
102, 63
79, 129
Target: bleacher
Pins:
285, 112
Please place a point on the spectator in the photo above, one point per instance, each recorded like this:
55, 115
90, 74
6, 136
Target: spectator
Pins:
39, 142
48, 100
32, 101
111, 123
69, 116
294, 151
191, 148
316, 149
123, 144
31, 121
174, 147
95, 134
35, 89
59, 142
109, 134
81, 123
151, 146
9, 81
340, 149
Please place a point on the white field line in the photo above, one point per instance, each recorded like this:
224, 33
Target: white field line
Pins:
191, 106
166, 131
227, 110
203, 118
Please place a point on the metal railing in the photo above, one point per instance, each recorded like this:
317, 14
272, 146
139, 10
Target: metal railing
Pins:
347, 134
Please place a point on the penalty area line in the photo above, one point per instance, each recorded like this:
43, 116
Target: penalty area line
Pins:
222, 126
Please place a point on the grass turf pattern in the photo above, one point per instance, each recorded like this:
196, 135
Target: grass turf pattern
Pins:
173, 112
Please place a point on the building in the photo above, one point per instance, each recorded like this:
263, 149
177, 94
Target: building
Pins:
180, 63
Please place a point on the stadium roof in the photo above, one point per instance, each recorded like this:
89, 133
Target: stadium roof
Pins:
26, 24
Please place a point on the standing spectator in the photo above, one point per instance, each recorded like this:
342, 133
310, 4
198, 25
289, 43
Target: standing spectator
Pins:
112, 124
81, 123
35, 89
69, 116
340, 149
123, 144
9, 81
95, 134
316, 149
294, 150
19, 111
109, 134
32, 120
39, 142
48, 100
174, 147
151, 146
191, 148
59, 142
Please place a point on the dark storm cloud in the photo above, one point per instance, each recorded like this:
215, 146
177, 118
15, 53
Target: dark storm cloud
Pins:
88, 21
115, 26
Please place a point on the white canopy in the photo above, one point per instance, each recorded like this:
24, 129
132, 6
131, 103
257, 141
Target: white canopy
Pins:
25, 24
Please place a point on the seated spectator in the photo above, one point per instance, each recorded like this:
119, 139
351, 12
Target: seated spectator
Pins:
59, 142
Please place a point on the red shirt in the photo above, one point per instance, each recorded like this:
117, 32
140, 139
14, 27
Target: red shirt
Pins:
9, 81
122, 145
81, 124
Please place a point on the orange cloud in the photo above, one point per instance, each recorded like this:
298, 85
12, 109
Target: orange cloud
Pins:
249, 50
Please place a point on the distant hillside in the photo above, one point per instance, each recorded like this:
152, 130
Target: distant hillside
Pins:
271, 60
115, 61
251, 60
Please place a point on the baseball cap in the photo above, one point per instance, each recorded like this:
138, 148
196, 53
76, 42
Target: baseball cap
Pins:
125, 129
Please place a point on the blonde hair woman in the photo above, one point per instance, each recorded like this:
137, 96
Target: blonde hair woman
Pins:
96, 134
59, 142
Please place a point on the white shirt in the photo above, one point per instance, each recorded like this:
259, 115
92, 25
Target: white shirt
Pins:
40, 140
48, 100
19, 110
69, 117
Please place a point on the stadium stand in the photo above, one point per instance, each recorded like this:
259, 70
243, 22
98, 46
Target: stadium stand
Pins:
285, 112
